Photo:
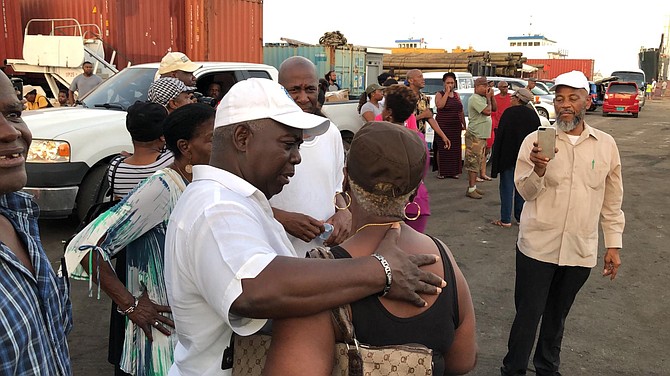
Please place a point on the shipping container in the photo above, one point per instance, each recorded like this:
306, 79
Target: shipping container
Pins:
348, 62
11, 40
319, 55
350, 67
224, 30
143, 31
550, 68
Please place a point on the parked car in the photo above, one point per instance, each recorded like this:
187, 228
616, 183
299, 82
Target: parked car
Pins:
543, 86
595, 95
548, 83
632, 75
72, 146
621, 97
544, 100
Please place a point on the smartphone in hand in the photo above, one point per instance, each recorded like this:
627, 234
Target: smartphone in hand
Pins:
546, 139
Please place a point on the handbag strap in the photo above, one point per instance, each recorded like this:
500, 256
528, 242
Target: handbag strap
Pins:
342, 321
119, 158
341, 315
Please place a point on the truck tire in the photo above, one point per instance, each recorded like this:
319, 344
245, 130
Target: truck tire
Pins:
93, 189
543, 112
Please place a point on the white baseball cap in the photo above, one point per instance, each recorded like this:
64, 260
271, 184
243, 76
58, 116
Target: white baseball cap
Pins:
174, 61
574, 79
261, 98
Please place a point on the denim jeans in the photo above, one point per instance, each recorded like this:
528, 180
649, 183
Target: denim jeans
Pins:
508, 197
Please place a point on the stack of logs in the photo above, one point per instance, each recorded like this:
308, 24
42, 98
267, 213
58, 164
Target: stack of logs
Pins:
506, 63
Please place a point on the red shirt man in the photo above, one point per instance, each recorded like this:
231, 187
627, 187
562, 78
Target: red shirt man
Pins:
503, 101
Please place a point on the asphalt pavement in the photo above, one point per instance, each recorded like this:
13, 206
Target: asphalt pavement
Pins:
615, 327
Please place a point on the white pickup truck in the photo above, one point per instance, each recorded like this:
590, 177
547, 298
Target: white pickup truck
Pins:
72, 146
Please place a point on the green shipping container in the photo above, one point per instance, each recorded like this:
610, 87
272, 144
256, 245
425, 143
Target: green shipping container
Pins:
347, 62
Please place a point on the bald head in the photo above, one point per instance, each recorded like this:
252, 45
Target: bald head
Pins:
412, 73
296, 63
298, 75
415, 79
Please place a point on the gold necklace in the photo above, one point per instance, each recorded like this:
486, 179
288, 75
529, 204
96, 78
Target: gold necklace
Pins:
376, 224
180, 173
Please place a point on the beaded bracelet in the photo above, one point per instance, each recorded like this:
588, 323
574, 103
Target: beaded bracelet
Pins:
387, 270
128, 310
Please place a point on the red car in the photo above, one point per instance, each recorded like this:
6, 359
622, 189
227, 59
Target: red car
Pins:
621, 97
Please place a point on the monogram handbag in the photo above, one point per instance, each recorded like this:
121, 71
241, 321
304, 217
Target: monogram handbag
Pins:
246, 355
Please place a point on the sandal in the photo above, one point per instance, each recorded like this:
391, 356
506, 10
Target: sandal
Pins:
500, 223
440, 176
484, 178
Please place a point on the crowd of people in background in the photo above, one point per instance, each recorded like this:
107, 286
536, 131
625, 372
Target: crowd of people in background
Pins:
218, 207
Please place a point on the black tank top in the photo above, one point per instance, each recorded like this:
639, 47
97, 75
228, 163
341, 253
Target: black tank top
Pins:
433, 328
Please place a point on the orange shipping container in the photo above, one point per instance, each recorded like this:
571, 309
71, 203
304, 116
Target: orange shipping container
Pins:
11, 37
553, 67
142, 31
224, 30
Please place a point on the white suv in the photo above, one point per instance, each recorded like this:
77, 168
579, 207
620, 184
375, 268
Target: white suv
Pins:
544, 100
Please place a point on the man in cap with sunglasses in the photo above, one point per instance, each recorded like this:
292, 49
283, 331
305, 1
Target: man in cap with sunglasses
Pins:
566, 197
170, 93
229, 263
179, 66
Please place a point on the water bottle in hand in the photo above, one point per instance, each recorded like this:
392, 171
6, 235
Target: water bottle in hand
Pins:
326, 233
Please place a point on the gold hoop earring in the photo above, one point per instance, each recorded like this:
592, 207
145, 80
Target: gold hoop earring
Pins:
418, 211
346, 194
189, 167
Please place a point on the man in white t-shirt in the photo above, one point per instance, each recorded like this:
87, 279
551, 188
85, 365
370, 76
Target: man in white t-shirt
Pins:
228, 262
84, 82
312, 198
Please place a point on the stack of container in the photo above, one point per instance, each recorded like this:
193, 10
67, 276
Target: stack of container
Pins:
144, 31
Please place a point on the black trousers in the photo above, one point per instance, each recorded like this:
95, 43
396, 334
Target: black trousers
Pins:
547, 291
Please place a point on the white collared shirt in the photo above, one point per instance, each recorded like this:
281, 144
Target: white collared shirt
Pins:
221, 231
311, 191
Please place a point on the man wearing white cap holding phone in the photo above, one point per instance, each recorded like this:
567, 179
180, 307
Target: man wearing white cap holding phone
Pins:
228, 262
566, 197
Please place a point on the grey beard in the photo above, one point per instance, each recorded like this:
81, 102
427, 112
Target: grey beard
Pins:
567, 126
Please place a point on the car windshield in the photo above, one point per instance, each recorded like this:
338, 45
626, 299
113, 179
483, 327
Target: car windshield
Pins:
636, 77
539, 91
433, 85
122, 89
622, 88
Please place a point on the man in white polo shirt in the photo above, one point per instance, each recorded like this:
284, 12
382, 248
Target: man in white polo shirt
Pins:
229, 263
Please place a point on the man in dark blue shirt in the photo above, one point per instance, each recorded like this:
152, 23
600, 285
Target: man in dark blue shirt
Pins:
35, 310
